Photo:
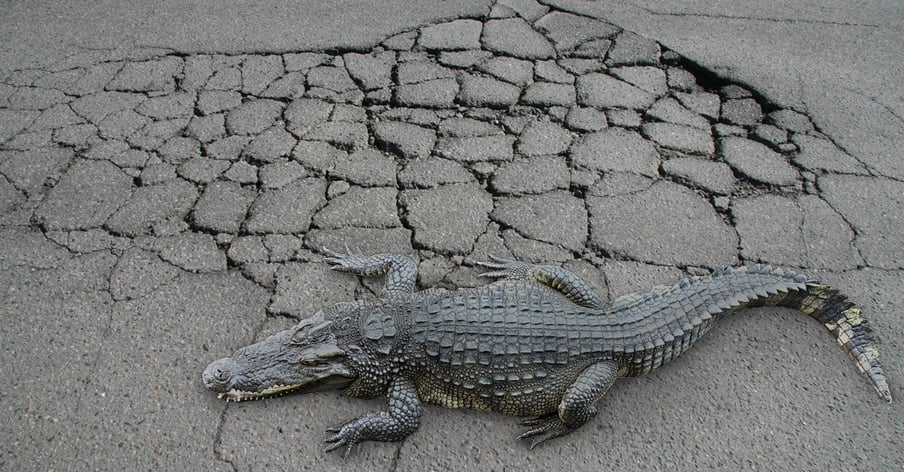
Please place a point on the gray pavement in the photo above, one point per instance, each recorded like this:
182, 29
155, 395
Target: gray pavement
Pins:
168, 174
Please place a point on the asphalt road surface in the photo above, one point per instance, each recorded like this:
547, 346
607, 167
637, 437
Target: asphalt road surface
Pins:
170, 171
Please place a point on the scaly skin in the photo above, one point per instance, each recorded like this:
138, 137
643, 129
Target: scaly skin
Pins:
539, 342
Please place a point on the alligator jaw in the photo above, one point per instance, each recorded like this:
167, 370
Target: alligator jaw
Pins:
243, 395
334, 377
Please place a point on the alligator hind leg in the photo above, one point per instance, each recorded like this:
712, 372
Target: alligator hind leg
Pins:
400, 271
577, 406
558, 278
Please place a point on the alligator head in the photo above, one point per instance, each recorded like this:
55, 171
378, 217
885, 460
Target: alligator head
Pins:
304, 358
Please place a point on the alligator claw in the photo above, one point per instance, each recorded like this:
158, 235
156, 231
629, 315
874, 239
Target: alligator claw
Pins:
536, 442
344, 436
498, 262
337, 442
344, 262
545, 428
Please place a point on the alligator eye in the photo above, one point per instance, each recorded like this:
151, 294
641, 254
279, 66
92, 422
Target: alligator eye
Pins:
300, 337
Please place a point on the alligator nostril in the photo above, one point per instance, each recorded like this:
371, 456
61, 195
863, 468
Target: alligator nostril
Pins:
221, 374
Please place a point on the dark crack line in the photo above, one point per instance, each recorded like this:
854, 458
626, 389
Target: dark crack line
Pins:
877, 102
854, 230
799, 94
872, 171
397, 457
766, 19
611, 255
94, 375
505, 227
83, 63
872, 99
801, 225
218, 440
652, 11
221, 426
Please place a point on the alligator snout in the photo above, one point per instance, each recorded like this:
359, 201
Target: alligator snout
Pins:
218, 375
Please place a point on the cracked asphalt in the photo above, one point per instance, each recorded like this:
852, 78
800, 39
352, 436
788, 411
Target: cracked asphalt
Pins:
169, 175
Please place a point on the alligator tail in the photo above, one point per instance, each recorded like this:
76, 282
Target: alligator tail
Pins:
707, 299
846, 323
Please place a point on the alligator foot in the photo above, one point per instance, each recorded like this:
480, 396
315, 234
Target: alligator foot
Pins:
403, 418
543, 429
400, 271
346, 434
354, 262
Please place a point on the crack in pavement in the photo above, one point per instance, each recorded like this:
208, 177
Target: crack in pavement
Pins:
717, 16
791, 21
218, 440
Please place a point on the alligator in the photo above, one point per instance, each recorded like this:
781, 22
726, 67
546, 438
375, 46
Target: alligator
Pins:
536, 342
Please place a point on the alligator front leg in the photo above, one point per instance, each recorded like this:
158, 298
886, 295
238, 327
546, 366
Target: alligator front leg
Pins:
400, 271
403, 418
558, 278
577, 407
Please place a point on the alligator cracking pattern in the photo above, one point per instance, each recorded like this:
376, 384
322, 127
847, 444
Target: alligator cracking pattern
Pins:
530, 136
496, 129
